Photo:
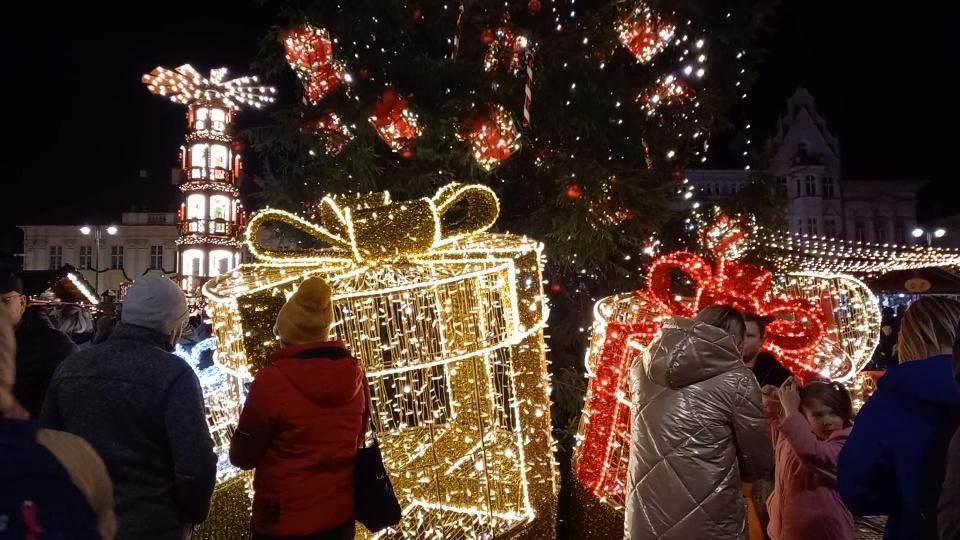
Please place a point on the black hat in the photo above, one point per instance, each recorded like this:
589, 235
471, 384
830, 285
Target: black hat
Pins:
10, 283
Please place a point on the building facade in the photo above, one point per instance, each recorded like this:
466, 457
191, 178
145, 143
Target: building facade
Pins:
822, 202
108, 255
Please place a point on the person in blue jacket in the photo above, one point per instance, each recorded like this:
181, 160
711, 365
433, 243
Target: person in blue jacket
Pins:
894, 462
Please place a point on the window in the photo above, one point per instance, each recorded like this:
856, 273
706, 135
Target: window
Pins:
716, 189
218, 155
900, 234
811, 185
56, 257
156, 257
830, 228
812, 228
798, 187
86, 257
195, 206
803, 149
156, 219
733, 188
880, 234
800, 226
708, 190
828, 187
783, 181
116, 257
859, 231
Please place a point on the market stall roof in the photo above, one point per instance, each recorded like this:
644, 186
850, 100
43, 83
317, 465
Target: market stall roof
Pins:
930, 280
65, 284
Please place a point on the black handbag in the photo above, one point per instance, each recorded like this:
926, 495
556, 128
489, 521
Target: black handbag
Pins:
376, 505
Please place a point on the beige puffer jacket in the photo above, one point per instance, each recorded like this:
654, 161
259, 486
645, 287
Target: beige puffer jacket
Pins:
698, 431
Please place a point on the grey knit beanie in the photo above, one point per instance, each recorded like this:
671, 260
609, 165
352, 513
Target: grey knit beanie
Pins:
155, 302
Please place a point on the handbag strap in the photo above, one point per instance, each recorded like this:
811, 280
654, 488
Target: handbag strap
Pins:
367, 415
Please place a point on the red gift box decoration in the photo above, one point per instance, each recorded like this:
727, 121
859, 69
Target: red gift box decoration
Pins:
644, 33
394, 121
631, 321
492, 135
309, 51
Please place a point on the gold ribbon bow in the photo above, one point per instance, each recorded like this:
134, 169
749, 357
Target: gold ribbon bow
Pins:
367, 229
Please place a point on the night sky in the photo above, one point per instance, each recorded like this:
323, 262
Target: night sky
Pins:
81, 126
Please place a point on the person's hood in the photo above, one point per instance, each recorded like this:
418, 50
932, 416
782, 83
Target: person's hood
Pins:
924, 380
687, 351
323, 372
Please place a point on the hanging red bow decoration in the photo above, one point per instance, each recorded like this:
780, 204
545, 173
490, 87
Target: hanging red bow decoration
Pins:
309, 51
394, 121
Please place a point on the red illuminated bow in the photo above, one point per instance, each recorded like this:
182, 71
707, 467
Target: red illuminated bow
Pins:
798, 326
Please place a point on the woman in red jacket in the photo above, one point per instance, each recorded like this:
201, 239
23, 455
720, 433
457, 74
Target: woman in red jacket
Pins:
302, 424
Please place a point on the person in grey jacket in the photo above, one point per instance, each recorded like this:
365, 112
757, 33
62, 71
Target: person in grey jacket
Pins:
142, 409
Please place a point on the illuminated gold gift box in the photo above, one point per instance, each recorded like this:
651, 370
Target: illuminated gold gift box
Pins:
448, 321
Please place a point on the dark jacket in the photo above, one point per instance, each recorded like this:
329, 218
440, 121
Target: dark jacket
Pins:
949, 511
768, 371
142, 409
40, 349
894, 461
300, 428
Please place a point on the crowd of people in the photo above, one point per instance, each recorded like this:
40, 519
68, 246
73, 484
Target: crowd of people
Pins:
103, 432
726, 445
109, 440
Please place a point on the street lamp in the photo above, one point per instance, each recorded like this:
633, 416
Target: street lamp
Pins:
936, 233
97, 232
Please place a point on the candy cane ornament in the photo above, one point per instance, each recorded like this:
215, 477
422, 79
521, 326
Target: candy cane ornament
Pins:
528, 90
456, 36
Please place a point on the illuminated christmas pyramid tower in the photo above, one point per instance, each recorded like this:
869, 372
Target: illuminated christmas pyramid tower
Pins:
211, 218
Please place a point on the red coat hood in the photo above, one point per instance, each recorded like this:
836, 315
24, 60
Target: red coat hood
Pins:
323, 372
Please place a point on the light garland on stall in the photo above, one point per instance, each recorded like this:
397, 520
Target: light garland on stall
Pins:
842, 256
448, 321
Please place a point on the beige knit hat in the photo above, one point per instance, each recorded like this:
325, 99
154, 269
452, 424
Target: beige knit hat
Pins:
308, 314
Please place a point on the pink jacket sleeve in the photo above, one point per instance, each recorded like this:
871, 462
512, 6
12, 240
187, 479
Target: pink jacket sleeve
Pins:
772, 411
819, 456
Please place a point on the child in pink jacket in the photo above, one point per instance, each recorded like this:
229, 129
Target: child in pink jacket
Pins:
808, 427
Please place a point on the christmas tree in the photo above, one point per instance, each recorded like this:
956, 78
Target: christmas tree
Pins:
580, 114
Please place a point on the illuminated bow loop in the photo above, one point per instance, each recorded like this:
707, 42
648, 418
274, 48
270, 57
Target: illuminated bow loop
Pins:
370, 229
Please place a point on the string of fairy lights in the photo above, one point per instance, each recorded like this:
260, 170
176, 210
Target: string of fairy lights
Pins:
448, 321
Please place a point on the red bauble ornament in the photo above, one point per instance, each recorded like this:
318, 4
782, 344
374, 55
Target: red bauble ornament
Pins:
236, 145
505, 17
407, 153
574, 191
489, 35
534, 6
678, 176
627, 214
556, 287
417, 14
364, 73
